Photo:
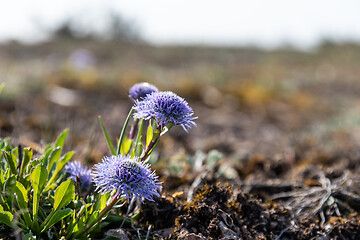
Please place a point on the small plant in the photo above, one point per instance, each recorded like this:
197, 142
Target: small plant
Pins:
35, 197
44, 196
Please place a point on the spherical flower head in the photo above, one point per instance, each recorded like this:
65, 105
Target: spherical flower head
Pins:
79, 174
165, 107
127, 176
140, 90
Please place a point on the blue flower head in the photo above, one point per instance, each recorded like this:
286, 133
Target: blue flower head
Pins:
165, 107
127, 176
79, 174
140, 90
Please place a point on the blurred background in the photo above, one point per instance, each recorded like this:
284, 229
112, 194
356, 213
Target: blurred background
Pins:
264, 77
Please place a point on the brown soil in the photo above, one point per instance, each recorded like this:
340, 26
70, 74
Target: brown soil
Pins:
267, 161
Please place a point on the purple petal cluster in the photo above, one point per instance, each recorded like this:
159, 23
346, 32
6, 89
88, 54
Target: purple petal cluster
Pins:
80, 174
165, 107
127, 176
140, 90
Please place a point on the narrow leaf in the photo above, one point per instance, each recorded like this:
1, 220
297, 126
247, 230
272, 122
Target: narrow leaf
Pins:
28, 153
38, 181
2, 178
48, 149
123, 130
22, 200
138, 145
166, 128
64, 194
61, 138
11, 161
58, 216
54, 157
125, 146
149, 134
58, 168
111, 147
101, 203
6, 218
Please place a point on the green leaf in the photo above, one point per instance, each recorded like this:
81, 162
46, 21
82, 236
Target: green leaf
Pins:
48, 149
138, 145
51, 186
2, 179
58, 168
61, 138
38, 180
122, 134
79, 226
111, 147
7, 200
93, 219
149, 134
58, 216
64, 194
22, 200
54, 157
101, 203
7, 174
6, 218
11, 161
125, 146
9, 183
28, 153
166, 128
118, 218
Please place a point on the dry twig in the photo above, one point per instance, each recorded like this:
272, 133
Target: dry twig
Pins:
308, 201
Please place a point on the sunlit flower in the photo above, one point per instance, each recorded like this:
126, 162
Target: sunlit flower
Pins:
127, 176
79, 174
165, 107
140, 90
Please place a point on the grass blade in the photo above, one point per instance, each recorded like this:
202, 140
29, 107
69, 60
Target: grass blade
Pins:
106, 136
123, 131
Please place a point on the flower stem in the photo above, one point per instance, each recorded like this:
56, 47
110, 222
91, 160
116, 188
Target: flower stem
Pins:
102, 214
134, 129
154, 141
123, 130
137, 147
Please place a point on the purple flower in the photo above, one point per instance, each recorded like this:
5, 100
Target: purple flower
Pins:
140, 90
79, 174
165, 107
127, 176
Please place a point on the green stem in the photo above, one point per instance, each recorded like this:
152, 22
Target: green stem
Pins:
154, 141
134, 129
137, 147
102, 214
123, 130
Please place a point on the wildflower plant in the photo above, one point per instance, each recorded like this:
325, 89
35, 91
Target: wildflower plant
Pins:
140, 90
128, 176
81, 175
44, 195
166, 108
126, 173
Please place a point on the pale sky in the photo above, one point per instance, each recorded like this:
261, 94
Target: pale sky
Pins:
231, 22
